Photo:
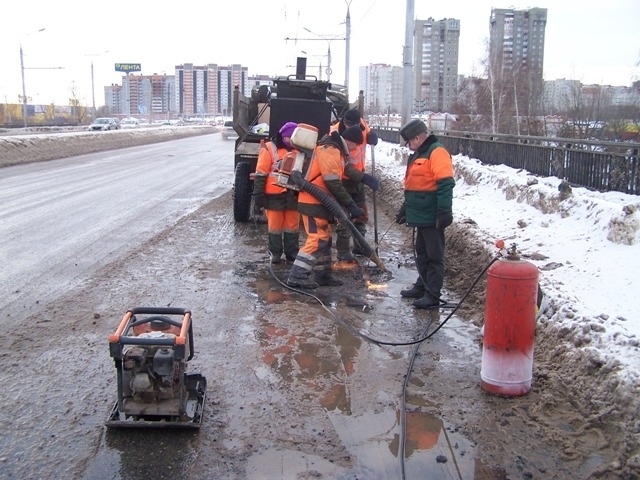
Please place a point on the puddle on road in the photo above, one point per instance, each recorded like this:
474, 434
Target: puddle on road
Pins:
125, 454
370, 432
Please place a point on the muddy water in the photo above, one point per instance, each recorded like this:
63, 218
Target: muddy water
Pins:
314, 398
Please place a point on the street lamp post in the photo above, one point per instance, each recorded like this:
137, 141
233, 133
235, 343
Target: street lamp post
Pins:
93, 91
24, 89
347, 46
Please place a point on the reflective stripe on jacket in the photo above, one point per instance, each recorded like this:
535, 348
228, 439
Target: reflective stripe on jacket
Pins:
267, 165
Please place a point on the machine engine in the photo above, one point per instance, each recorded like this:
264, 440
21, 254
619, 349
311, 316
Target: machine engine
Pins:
150, 373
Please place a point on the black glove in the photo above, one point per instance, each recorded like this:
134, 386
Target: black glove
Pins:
401, 216
354, 210
258, 203
258, 200
371, 182
444, 219
372, 138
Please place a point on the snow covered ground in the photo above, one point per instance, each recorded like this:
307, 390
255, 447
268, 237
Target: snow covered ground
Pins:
586, 246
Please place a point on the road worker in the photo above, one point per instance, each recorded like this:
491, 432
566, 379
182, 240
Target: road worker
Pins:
428, 198
325, 171
357, 158
280, 204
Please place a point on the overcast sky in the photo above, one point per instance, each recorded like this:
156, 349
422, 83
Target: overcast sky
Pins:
593, 41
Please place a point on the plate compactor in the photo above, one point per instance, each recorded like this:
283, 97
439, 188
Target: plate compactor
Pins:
151, 348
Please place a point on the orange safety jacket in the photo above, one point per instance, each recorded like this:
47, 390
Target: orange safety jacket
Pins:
267, 166
357, 156
325, 172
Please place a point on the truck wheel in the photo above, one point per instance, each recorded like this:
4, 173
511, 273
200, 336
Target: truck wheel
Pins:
242, 193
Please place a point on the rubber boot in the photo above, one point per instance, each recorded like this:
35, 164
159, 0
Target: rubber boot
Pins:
416, 291
291, 245
343, 248
301, 281
324, 276
427, 301
275, 247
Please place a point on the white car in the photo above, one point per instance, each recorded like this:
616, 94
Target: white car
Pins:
130, 123
104, 123
228, 131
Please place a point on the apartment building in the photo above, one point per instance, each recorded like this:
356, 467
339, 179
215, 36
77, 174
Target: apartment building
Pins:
152, 95
208, 89
516, 41
382, 87
436, 46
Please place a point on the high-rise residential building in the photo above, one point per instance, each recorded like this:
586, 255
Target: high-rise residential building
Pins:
382, 88
436, 45
208, 89
516, 41
114, 98
152, 95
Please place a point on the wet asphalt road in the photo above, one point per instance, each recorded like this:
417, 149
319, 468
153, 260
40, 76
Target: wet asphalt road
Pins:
62, 218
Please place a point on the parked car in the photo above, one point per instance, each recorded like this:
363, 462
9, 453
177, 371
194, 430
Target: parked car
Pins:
103, 123
228, 131
117, 120
130, 123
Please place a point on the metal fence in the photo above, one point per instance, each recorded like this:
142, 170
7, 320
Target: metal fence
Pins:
602, 166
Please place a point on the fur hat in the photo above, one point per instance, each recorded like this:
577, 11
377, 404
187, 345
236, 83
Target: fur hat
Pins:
412, 128
352, 117
353, 134
287, 129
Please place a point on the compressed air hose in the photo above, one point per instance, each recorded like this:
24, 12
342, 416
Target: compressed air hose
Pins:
334, 207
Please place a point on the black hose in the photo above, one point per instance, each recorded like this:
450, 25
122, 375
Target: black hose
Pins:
334, 207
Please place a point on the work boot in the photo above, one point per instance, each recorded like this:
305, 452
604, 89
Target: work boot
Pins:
427, 301
291, 245
344, 249
302, 282
275, 247
416, 291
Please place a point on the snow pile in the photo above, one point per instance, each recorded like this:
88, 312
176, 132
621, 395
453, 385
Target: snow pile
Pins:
585, 244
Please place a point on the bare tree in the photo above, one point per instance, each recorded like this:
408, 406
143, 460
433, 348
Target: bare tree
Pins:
78, 112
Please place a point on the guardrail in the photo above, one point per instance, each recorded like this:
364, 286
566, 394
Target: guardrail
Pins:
602, 166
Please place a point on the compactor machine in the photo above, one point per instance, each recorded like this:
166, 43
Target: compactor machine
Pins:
151, 348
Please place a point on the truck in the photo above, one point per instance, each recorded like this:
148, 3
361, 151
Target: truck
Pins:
296, 98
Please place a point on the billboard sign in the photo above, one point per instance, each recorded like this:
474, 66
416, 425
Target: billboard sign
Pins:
128, 67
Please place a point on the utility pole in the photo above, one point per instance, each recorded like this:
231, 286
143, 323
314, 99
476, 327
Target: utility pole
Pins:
328, 39
24, 90
93, 91
407, 63
347, 47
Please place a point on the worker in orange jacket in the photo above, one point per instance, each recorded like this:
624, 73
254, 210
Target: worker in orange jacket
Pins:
325, 171
357, 158
280, 204
428, 197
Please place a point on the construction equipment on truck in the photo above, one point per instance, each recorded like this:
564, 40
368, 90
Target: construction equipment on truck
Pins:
297, 98
151, 348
